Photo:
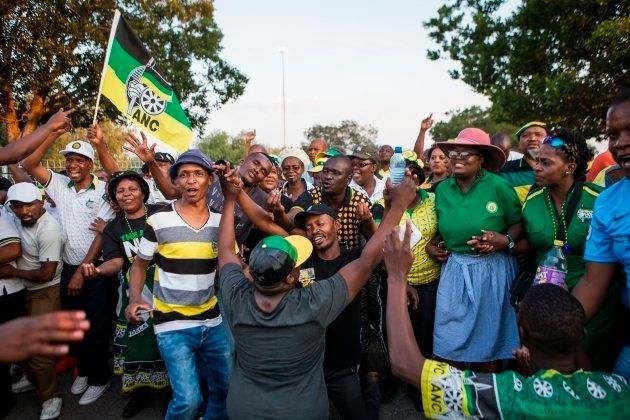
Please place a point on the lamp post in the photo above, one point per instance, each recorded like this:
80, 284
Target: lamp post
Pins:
283, 50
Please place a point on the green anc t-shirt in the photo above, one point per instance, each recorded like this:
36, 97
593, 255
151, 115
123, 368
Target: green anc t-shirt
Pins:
450, 393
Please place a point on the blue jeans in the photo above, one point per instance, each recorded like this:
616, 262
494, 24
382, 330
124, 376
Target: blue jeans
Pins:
194, 356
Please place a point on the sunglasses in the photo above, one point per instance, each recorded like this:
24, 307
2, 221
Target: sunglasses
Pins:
361, 164
558, 143
462, 155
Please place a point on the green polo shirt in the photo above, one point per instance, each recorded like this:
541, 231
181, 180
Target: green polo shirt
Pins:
520, 176
539, 231
489, 204
538, 226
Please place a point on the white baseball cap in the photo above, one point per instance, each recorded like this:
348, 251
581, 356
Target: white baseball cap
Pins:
24, 192
79, 147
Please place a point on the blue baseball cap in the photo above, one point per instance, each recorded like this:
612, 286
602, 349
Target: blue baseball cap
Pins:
194, 156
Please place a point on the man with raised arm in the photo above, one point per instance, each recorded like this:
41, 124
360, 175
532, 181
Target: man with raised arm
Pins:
81, 198
279, 331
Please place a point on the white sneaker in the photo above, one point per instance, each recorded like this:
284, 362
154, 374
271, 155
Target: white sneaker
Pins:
93, 393
22, 385
79, 385
51, 409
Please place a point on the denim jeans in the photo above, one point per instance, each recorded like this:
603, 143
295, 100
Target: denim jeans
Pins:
194, 356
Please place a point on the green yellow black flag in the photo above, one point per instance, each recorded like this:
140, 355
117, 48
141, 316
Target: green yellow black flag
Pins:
132, 81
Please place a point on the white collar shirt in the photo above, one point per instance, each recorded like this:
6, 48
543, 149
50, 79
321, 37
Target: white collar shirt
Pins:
378, 189
8, 235
77, 210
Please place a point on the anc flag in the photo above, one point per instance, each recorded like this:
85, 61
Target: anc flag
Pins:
133, 83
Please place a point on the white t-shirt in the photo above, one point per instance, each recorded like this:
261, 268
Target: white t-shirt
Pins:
514, 155
77, 210
378, 189
8, 235
155, 195
41, 242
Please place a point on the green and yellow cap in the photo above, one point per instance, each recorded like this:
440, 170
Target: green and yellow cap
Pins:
529, 125
273, 259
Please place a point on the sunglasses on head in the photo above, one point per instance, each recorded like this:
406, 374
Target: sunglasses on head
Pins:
558, 143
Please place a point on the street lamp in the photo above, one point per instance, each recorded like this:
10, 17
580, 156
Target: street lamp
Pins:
283, 50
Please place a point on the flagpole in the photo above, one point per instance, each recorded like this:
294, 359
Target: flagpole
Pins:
112, 34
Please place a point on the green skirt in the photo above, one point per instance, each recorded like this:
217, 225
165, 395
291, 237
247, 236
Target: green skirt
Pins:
136, 354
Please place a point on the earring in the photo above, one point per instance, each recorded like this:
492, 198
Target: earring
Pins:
566, 173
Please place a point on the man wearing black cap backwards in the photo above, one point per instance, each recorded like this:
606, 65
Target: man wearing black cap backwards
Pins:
343, 335
279, 331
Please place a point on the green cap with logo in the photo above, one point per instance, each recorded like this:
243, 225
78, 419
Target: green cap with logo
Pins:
273, 259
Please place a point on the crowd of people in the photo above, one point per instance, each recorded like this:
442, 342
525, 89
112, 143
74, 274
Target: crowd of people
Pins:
253, 289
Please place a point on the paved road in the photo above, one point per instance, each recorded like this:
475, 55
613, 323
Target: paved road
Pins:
110, 405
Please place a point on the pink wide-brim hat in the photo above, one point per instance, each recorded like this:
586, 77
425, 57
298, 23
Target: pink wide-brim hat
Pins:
494, 158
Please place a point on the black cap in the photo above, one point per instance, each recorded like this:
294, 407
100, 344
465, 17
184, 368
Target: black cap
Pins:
160, 157
315, 209
119, 176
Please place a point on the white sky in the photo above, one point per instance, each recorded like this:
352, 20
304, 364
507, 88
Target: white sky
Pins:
360, 60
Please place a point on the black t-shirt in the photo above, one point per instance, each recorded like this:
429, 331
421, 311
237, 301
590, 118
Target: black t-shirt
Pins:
343, 335
121, 242
256, 235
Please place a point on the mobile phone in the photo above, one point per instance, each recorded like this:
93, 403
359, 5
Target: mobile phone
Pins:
144, 312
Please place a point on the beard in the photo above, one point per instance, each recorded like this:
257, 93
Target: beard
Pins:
29, 223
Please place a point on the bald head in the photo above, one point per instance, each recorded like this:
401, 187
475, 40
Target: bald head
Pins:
257, 148
317, 146
502, 141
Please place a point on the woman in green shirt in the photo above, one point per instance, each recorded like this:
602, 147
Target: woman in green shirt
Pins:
474, 322
560, 172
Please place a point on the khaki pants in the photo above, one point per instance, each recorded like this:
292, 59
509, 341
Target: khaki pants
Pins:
40, 370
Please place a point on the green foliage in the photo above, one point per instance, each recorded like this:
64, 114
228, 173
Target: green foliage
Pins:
473, 116
560, 61
55, 49
347, 135
220, 145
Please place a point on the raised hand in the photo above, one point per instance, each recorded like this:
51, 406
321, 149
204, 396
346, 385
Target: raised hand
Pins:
398, 254
231, 183
426, 123
363, 211
60, 123
273, 202
404, 193
140, 148
95, 134
250, 136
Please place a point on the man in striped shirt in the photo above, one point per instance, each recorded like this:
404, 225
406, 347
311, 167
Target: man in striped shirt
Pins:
182, 239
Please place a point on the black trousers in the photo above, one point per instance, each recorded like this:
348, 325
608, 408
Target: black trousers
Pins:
11, 306
92, 353
423, 318
344, 391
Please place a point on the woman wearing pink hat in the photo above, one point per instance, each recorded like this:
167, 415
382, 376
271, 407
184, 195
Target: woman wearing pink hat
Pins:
474, 322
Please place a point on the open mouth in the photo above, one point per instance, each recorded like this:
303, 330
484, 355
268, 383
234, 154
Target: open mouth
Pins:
318, 239
624, 161
73, 173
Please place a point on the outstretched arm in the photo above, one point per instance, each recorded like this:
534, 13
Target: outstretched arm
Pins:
593, 286
231, 187
17, 150
147, 155
357, 272
426, 124
404, 354
32, 163
258, 216
95, 136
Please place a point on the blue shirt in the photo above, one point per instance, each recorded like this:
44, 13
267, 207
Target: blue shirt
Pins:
608, 240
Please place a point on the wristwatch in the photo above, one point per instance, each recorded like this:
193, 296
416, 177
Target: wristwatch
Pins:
510, 243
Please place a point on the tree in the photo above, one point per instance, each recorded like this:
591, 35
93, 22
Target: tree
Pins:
473, 116
52, 53
220, 145
561, 61
347, 135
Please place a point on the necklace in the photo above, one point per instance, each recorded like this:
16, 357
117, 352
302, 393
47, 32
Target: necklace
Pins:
554, 219
146, 218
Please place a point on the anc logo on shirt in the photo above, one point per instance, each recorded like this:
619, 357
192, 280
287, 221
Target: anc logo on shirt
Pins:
584, 215
492, 207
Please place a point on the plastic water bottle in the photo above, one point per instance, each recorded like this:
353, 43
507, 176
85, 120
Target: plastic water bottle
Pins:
553, 267
397, 166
